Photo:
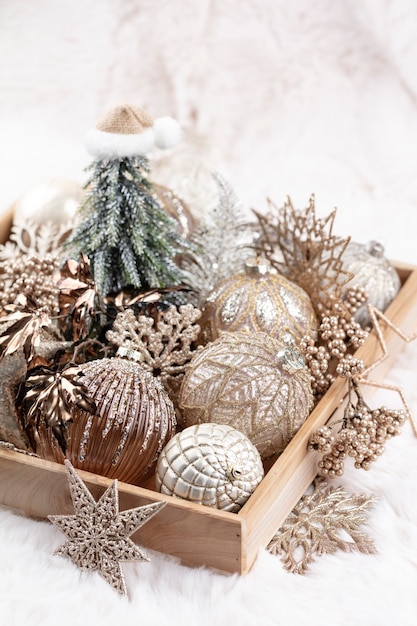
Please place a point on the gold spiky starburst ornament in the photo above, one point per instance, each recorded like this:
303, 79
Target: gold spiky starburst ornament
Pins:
98, 534
302, 247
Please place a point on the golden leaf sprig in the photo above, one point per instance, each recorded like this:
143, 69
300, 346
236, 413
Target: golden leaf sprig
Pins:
48, 400
320, 524
77, 295
21, 330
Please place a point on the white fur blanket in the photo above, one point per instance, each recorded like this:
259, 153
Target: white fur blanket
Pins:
286, 98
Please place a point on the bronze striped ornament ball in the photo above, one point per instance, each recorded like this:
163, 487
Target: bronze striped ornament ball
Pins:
251, 382
134, 420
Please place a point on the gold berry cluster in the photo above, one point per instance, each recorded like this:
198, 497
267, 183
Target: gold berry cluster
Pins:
30, 279
362, 436
338, 336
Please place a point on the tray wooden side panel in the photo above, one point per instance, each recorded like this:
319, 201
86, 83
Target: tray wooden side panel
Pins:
295, 469
197, 535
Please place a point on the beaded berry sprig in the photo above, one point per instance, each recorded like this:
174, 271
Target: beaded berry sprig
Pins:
362, 435
338, 337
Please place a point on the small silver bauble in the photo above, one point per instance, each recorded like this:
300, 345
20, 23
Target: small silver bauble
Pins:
210, 464
374, 273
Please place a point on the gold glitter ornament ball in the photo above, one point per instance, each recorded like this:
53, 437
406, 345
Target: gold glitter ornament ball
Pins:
374, 273
251, 382
134, 420
210, 464
258, 300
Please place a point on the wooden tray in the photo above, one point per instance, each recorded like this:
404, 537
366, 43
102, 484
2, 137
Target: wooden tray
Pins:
196, 534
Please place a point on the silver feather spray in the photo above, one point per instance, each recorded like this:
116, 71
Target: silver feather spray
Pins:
221, 244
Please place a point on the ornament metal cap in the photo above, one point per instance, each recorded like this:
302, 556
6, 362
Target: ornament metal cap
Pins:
257, 266
375, 249
127, 353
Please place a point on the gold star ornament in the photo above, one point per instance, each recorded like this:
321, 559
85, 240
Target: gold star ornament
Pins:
98, 535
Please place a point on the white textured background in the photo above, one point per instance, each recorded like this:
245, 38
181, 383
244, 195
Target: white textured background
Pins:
285, 98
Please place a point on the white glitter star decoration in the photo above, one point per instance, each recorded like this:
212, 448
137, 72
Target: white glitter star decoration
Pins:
98, 535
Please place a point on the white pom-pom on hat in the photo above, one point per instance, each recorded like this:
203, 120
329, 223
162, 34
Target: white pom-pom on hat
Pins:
167, 132
126, 131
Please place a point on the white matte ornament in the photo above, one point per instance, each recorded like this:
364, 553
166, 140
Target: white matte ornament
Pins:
210, 464
56, 200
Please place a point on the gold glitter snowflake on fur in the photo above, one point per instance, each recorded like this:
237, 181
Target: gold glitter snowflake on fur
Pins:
303, 248
320, 524
98, 535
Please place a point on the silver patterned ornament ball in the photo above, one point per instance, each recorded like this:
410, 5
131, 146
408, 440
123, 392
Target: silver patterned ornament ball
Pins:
210, 464
373, 272
258, 299
134, 420
251, 382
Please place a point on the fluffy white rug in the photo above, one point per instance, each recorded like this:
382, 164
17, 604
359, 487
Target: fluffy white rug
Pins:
284, 98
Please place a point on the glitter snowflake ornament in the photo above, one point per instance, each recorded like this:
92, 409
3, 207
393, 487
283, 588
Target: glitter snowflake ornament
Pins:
165, 344
28, 238
98, 535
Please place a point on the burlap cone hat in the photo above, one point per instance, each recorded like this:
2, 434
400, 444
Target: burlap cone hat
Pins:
127, 130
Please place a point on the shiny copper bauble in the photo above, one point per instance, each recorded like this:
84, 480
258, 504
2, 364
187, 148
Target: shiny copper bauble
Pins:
135, 419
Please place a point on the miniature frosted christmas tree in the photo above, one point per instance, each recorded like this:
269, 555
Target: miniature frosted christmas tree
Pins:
124, 230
